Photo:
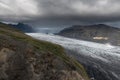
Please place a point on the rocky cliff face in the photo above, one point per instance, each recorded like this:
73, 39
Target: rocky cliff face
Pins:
98, 33
25, 58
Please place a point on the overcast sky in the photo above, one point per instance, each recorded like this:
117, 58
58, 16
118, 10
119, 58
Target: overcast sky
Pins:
49, 12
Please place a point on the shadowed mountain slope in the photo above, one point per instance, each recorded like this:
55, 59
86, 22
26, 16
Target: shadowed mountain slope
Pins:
23, 27
97, 33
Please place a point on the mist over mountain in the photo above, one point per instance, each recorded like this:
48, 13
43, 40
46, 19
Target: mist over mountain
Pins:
59, 39
23, 27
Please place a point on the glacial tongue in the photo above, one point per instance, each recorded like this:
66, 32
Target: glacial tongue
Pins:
100, 60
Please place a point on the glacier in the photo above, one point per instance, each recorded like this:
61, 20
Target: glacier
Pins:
106, 57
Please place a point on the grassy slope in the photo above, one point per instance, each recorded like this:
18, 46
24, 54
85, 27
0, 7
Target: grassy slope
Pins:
43, 46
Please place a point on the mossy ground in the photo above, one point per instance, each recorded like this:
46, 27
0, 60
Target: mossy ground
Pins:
43, 46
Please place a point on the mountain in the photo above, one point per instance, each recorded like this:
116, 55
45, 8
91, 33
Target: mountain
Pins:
100, 60
25, 58
97, 33
23, 27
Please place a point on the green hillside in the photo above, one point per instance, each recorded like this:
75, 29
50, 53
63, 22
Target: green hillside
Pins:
33, 59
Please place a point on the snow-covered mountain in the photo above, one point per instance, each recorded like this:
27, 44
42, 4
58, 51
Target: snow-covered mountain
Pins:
102, 61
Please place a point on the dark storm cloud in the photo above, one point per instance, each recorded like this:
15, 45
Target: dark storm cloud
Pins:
88, 11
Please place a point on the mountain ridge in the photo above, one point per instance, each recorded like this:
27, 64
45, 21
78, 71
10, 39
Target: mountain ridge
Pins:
23, 27
97, 33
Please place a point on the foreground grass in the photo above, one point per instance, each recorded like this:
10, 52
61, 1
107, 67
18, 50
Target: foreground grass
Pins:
43, 46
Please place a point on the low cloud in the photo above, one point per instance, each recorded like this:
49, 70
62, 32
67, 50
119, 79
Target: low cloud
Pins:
63, 11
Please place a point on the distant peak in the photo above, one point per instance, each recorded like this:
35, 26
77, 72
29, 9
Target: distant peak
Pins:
101, 25
20, 23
